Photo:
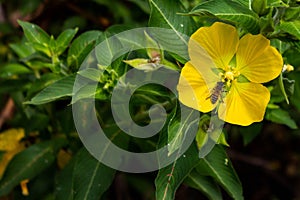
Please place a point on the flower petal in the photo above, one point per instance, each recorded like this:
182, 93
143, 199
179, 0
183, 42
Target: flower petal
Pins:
220, 41
244, 104
257, 60
193, 90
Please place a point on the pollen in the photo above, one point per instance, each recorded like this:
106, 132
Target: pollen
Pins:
229, 75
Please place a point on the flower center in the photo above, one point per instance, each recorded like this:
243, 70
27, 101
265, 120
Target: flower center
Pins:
229, 75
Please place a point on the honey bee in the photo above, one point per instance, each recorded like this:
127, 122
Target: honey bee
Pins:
216, 92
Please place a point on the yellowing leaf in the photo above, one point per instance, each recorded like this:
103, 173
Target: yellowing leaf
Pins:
10, 143
63, 158
9, 139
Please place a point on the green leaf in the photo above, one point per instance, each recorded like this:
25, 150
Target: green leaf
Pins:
64, 39
29, 163
281, 117
12, 69
292, 28
260, 7
81, 47
76, 182
93, 182
245, 3
170, 177
109, 49
217, 165
290, 88
34, 33
229, 11
178, 129
280, 45
277, 3
91, 73
39, 84
89, 91
36, 36
138, 63
296, 96
165, 14
64, 182
153, 91
205, 184
23, 50
59, 89
205, 136
292, 13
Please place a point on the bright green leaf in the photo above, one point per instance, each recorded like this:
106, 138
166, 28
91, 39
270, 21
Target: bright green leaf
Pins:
38, 38
34, 33
292, 13
292, 28
277, 3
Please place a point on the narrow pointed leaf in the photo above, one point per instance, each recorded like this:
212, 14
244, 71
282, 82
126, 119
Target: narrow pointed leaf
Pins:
64, 39
81, 47
171, 177
59, 89
38, 38
178, 129
217, 165
34, 33
11, 69
94, 182
292, 28
64, 182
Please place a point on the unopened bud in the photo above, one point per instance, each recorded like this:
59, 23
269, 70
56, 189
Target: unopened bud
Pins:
260, 7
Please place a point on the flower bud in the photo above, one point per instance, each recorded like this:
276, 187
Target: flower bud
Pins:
260, 7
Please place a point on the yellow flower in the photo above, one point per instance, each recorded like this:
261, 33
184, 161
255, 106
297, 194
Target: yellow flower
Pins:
225, 72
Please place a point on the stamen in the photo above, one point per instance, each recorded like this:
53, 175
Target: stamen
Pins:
229, 75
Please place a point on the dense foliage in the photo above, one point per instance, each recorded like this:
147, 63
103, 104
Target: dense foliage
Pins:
44, 45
